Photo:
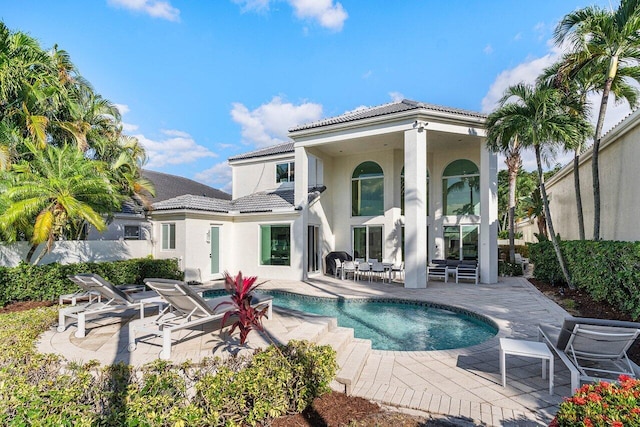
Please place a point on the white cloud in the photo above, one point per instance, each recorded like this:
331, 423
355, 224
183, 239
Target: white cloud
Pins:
177, 148
129, 128
517, 37
488, 49
327, 13
218, 176
368, 74
396, 96
123, 108
154, 8
526, 72
269, 123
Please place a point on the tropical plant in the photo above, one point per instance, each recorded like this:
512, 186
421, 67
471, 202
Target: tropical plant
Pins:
576, 90
56, 190
604, 46
497, 127
535, 209
249, 318
45, 102
538, 118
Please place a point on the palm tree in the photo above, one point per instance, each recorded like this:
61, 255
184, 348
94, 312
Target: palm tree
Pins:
575, 89
496, 142
56, 189
536, 116
604, 43
535, 209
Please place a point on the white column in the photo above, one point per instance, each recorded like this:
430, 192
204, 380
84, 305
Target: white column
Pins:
488, 215
299, 228
415, 206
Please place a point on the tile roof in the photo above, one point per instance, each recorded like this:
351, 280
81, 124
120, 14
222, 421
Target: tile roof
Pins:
263, 201
382, 110
286, 147
199, 203
170, 186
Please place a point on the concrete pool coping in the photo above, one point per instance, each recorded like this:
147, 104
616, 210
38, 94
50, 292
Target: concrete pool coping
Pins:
463, 384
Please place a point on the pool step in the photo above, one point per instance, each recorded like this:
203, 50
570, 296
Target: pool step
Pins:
313, 329
338, 338
351, 361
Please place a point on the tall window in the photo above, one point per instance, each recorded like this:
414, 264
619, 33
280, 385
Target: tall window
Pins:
426, 194
367, 190
275, 245
367, 242
461, 188
285, 172
168, 236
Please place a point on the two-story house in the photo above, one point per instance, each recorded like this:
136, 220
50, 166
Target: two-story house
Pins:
402, 181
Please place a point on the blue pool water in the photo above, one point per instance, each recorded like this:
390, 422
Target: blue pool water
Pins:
394, 324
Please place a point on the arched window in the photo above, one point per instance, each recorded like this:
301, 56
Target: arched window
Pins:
461, 188
367, 190
426, 194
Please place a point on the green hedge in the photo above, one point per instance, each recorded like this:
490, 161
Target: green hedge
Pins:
47, 282
38, 389
609, 271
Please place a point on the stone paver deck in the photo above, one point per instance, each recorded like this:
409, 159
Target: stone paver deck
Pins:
463, 385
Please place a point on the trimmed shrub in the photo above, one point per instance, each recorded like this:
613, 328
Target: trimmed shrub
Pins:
37, 389
607, 270
47, 282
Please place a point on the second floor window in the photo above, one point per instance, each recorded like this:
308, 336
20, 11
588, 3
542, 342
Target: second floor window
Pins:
367, 190
285, 172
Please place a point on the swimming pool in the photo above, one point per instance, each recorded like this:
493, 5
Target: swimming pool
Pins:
393, 324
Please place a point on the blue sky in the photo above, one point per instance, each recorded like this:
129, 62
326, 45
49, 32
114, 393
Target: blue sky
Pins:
198, 81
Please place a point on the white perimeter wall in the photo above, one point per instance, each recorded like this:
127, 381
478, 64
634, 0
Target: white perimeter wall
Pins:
619, 192
70, 252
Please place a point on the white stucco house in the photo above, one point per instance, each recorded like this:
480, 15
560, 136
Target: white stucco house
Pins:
402, 181
619, 189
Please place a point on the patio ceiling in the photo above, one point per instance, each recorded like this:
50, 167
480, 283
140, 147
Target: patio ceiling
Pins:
436, 141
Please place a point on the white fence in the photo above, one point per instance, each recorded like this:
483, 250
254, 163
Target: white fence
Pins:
70, 252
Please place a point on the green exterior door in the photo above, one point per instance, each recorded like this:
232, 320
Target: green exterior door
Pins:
215, 250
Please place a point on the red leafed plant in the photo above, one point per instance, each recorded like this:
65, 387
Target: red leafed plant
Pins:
249, 317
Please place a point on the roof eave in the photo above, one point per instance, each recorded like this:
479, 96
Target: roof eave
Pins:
408, 115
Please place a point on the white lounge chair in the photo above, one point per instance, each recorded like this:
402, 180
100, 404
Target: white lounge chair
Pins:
111, 299
593, 349
186, 309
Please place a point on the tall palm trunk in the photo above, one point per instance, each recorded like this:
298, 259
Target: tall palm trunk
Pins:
554, 238
513, 163
576, 183
595, 171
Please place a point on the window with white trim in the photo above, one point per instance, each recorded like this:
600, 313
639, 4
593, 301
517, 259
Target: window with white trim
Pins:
168, 236
285, 172
131, 232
